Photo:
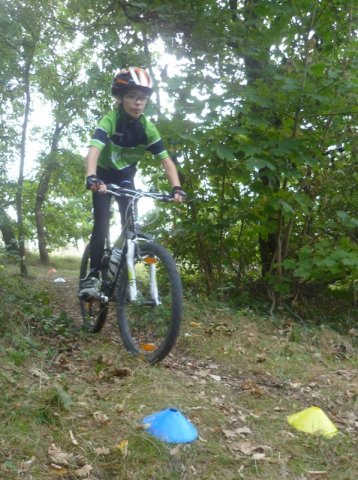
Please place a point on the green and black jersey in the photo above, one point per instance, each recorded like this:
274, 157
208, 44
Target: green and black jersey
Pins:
124, 140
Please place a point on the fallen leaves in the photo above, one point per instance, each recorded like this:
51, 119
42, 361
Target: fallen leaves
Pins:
210, 328
251, 387
101, 418
195, 325
175, 450
255, 452
225, 394
114, 373
240, 431
62, 462
74, 441
84, 472
317, 472
123, 447
58, 469
247, 448
57, 456
38, 373
67, 463
102, 451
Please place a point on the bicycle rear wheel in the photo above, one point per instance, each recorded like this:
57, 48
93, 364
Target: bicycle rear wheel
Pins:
150, 325
94, 311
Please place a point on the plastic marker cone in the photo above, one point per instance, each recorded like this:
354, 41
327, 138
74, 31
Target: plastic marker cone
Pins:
170, 426
313, 420
59, 280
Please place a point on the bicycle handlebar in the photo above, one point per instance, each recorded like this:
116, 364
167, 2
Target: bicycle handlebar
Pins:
118, 191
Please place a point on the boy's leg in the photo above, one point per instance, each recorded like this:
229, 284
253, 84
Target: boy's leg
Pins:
101, 212
90, 285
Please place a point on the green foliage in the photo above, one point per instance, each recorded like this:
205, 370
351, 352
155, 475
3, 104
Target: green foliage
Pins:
260, 104
66, 210
283, 130
321, 263
28, 308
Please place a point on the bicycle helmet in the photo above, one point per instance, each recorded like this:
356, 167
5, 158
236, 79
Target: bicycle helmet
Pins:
132, 77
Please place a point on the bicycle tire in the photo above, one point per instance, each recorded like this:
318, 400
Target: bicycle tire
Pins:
146, 329
93, 312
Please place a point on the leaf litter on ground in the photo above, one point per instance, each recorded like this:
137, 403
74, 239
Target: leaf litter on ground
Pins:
238, 392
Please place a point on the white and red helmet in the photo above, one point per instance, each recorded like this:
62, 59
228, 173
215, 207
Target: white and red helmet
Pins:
131, 77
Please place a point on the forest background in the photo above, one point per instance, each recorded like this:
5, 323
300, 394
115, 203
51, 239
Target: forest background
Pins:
256, 102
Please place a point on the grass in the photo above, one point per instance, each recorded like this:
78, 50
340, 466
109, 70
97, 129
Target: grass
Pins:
235, 374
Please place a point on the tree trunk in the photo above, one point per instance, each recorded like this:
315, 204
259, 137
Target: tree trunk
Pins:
255, 70
42, 192
7, 232
204, 257
20, 183
222, 234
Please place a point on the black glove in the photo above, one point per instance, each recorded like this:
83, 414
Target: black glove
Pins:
92, 182
179, 191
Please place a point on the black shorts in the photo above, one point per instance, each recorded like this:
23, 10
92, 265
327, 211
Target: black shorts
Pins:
110, 175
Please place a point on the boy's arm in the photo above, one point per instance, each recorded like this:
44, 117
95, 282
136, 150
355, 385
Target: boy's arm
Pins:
173, 177
92, 182
171, 172
91, 160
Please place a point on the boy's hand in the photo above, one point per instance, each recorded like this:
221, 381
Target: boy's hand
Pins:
93, 183
178, 194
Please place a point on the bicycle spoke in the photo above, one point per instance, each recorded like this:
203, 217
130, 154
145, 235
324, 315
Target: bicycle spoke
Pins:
149, 326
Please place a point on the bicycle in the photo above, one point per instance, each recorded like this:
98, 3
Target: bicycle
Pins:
144, 283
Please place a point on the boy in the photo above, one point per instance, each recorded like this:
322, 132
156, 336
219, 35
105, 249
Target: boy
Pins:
119, 141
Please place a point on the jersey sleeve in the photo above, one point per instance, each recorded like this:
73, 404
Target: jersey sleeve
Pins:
103, 132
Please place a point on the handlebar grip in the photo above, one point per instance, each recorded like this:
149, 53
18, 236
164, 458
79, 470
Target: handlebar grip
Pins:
113, 187
167, 198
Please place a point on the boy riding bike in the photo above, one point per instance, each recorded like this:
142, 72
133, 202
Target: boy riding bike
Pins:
120, 140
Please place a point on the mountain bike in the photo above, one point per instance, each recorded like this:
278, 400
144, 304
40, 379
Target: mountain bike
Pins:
141, 277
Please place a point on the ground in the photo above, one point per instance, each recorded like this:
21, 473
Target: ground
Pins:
72, 403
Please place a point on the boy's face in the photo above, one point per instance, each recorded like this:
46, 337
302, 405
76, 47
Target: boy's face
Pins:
134, 102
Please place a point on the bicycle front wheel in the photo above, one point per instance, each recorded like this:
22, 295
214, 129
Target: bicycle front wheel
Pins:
150, 325
94, 311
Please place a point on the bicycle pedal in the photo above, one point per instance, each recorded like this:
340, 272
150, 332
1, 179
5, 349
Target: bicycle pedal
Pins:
86, 297
148, 303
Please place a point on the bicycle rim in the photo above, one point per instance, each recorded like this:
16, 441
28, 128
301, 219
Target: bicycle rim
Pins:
94, 312
150, 325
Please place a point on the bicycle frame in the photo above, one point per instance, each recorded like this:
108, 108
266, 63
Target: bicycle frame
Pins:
143, 281
129, 238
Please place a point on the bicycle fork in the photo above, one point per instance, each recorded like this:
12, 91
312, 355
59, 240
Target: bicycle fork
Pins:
132, 281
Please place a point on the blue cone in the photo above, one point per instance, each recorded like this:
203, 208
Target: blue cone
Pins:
170, 426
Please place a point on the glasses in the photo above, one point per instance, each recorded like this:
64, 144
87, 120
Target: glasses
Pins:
136, 98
